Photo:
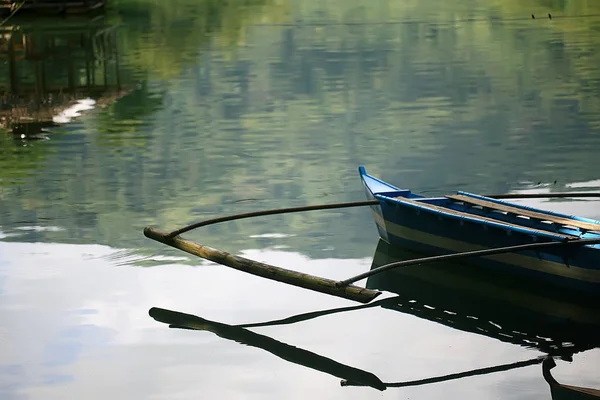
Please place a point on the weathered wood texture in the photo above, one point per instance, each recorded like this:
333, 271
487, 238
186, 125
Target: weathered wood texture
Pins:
564, 195
527, 213
289, 277
558, 236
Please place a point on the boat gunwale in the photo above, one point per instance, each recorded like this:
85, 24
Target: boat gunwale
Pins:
363, 173
575, 218
420, 202
459, 215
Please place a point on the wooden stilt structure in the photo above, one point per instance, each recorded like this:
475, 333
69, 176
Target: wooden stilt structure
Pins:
77, 45
50, 6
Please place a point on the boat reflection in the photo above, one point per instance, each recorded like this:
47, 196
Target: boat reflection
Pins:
518, 311
457, 296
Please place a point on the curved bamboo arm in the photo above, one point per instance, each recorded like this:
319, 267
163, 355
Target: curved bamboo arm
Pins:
270, 212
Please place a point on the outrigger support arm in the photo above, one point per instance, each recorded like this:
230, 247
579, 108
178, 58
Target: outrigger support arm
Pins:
467, 254
272, 272
271, 212
355, 204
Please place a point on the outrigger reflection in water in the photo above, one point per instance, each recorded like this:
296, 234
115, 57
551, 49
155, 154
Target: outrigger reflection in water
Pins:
467, 299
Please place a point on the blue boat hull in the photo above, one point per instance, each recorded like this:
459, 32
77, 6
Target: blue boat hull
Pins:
407, 220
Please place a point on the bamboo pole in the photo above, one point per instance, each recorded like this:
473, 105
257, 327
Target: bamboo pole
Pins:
542, 195
467, 254
271, 212
278, 274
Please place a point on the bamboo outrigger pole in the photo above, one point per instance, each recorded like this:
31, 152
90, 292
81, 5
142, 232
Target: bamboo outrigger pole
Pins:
272, 272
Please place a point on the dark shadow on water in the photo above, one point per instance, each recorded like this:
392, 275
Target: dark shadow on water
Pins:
351, 376
451, 294
285, 351
518, 311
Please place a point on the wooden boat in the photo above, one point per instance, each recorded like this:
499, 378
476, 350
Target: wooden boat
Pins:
465, 222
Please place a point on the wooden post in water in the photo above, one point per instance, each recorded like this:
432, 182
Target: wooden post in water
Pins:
290, 277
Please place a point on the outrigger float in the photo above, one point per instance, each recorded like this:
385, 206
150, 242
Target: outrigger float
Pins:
556, 248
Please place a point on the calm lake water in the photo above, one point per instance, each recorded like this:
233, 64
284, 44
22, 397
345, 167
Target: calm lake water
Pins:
163, 113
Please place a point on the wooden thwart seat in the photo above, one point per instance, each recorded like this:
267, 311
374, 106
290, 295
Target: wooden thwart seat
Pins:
558, 235
527, 213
